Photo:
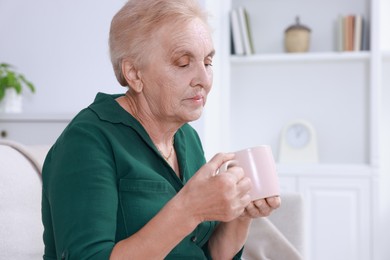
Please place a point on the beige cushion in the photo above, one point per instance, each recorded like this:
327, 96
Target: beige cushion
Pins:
279, 236
290, 220
20, 206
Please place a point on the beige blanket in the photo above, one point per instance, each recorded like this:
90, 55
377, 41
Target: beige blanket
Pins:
266, 242
34, 153
20, 203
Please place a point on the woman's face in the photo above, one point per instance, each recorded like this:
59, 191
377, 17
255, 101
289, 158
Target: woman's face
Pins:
178, 75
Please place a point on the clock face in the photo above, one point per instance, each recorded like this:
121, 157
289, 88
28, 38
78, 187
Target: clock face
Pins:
298, 136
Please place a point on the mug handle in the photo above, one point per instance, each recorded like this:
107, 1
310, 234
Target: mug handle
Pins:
225, 166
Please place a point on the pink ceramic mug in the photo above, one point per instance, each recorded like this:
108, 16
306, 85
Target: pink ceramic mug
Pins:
259, 165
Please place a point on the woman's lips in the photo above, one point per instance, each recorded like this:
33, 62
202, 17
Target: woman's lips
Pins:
198, 97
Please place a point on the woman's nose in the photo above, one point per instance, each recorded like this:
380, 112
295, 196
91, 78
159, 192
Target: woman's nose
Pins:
202, 76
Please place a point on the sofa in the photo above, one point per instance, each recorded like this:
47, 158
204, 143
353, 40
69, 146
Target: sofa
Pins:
278, 237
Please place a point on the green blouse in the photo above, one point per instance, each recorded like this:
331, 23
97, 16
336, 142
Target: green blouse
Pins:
104, 179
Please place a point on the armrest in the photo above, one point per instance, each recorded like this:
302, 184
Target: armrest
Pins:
279, 236
289, 219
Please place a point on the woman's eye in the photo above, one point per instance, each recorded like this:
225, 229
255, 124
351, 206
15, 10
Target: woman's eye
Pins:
183, 62
208, 63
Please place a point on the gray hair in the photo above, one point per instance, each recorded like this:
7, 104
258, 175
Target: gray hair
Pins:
134, 24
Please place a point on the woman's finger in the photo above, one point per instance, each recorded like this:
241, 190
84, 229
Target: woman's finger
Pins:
263, 207
274, 202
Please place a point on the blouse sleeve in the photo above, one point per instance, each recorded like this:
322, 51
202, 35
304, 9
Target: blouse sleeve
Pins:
80, 197
208, 255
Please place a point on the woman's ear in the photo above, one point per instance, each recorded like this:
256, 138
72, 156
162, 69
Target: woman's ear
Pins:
132, 76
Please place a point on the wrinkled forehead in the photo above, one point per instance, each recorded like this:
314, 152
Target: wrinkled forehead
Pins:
182, 37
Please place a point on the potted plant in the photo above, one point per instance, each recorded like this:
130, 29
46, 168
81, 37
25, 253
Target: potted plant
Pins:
11, 85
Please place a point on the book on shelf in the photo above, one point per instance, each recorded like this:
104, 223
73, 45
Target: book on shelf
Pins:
365, 35
349, 32
238, 45
241, 32
352, 33
340, 33
358, 31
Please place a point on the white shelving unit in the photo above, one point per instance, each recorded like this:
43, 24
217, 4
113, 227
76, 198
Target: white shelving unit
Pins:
33, 129
343, 94
302, 57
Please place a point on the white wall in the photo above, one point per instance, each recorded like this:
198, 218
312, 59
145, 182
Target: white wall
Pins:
62, 47
384, 192
385, 19
384, 184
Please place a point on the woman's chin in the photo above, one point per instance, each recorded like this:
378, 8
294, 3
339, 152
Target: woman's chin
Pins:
194, 115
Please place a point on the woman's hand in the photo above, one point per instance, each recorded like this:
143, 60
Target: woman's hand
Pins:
223, 197
212, 196
262, 207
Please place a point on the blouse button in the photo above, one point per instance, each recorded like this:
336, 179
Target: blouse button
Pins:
194, 238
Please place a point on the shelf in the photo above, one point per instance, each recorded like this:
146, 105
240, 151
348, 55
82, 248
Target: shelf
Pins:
329, 170
302, 57
41, 117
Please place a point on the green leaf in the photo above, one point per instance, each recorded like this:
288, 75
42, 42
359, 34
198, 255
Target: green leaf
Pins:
3, 82
18, 87
28, 83
10, 79
5, 65
2, 93
31, 86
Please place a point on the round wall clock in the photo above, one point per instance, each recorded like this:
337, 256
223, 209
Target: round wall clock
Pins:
298, 143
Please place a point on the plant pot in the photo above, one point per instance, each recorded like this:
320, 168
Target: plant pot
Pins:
12, 102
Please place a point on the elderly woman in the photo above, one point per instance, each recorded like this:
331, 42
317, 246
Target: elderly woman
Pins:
127, 179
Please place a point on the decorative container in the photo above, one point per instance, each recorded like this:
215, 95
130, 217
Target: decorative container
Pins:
297, 37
